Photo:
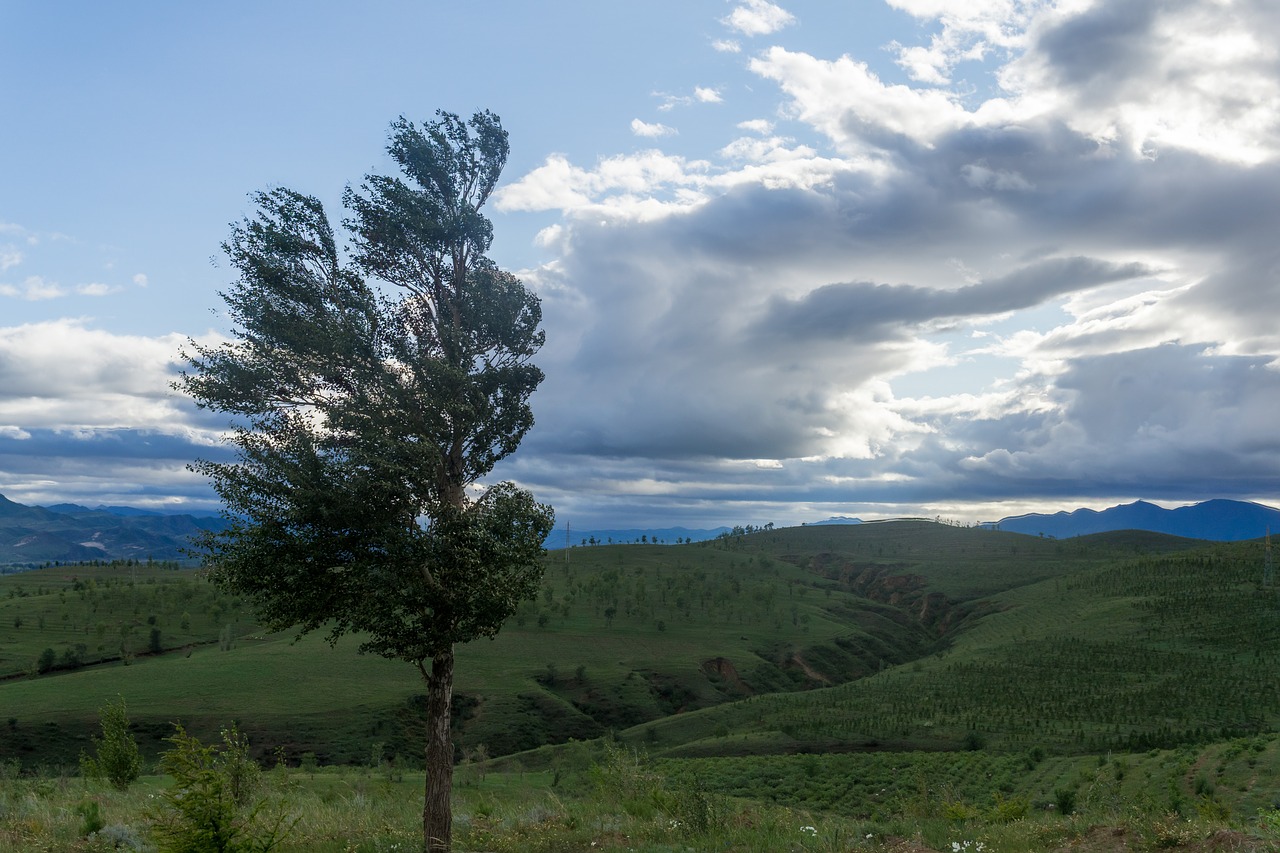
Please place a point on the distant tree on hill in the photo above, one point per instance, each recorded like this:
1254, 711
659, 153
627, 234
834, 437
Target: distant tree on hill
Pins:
364, 419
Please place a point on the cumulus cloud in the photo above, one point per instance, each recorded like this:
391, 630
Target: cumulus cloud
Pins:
1199, 76
85, 411
707, 95
1096, 231
758, 18
849, 103
970, 31
756, 125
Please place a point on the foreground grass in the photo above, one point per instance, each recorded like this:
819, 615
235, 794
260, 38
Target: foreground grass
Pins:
621, 803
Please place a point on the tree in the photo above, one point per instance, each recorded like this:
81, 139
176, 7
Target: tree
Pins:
369, 396
118, 760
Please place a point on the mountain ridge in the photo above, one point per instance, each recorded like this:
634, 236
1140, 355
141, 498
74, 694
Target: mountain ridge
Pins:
1216, 520
70, 533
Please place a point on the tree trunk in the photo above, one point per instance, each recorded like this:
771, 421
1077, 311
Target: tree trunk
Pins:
437, 809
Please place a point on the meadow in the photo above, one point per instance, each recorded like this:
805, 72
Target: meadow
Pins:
888, 685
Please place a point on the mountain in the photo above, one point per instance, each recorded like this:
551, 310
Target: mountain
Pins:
30, 535
1216, 520
835, 519
77, 509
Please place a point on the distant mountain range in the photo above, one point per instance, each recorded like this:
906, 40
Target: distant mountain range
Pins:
1216, 520
32, 535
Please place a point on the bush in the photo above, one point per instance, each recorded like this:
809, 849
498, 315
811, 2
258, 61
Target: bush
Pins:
213, 807
1064, 800
90, 818
118, 760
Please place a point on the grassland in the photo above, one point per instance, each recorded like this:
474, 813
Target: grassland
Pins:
911, 680
619, 800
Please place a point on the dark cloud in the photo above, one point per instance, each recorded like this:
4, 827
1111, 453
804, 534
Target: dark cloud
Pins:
1104, 44
868, 312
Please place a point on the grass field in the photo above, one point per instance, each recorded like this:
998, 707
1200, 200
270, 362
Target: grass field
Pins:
906, 680
619, 800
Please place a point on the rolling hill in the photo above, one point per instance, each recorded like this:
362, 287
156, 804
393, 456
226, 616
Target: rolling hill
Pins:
891, 635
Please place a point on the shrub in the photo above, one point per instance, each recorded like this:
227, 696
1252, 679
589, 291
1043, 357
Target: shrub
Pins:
212, 806
90, 818
118, 760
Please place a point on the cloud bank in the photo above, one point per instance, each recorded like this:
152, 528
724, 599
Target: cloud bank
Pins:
938, 300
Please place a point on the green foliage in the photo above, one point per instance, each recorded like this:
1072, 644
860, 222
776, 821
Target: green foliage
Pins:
214, 805
90, 817
362, 418
1064, 800
117, 758
626, 777
365, 415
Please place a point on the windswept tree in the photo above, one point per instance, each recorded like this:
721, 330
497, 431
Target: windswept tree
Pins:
369, 391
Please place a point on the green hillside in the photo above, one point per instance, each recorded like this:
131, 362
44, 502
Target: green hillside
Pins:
620, 635
904, 635
1155, 651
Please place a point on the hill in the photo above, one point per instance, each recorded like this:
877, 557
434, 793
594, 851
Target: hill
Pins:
622, 637
1154, 651
1215, 520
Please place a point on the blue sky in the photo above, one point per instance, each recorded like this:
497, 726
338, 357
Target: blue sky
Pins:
796, 260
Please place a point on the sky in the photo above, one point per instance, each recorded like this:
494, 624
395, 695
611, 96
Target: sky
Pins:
869, 258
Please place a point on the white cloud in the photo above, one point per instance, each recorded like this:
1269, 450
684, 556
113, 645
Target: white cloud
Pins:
1198, 76
756, 125
644, 128
97, 289
33, 289
726, 46
970, 31
626, 186
62, 374
758, 18
9, 257
140, 279
37, 289
772, 149
846, 101
707, 95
